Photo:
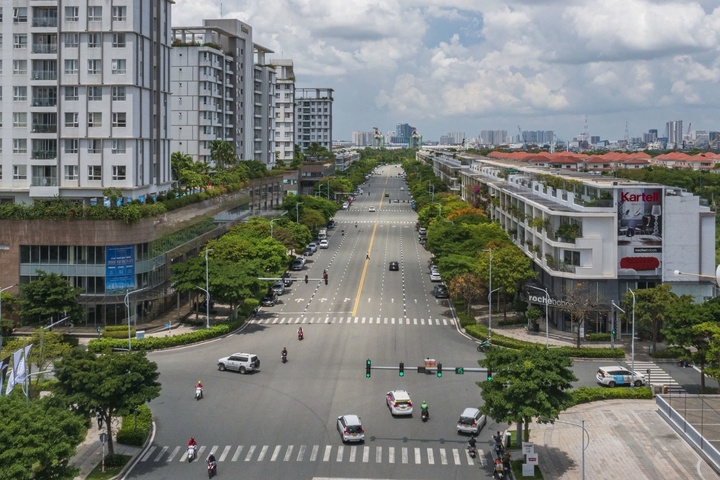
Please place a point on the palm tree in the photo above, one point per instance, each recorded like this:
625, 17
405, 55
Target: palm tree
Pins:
223, 154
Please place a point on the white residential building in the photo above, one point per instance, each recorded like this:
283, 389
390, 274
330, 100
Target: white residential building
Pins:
284, 109
84, 99
220, 93
313, 117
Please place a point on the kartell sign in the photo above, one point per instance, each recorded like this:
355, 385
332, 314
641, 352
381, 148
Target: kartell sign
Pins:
640, 228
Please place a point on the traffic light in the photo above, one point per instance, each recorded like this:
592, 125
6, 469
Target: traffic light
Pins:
367, 368
98, 329
439, 368
401, 370
489, 375
306, 279
613, 332
459, 370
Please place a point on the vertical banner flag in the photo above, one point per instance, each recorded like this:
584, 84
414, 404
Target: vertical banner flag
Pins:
3, 371
23, 368
11, 379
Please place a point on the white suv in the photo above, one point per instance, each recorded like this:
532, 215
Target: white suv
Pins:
242, 362
617, 375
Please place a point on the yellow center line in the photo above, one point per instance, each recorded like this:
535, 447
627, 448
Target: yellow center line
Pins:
364, 271
382, 199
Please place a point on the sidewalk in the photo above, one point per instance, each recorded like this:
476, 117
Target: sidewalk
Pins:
89, 452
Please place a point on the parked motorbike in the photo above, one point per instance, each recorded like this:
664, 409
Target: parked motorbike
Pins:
198, 393
191, 451
425, 415
212, 469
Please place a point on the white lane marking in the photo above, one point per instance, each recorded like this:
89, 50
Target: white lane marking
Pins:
263, 452
225, 452
301, 453
147, 455
431, 458
456, 456
378, 454
353, 453
391, 454
443, 456
313, 454
288, 452
417, 456
366, 454
249, 455
162, 452
404, 455
340, 451
326, 455
469, 458
172, 455
237, 454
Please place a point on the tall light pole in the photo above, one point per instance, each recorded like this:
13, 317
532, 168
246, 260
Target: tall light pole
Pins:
272, 220
585, 432
127, 306
632, 341
207, 288
297, 211
547, 303
489, 294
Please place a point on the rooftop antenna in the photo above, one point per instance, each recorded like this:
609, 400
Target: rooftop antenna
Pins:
221, 10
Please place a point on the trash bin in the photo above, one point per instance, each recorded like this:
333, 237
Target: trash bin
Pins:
508, 439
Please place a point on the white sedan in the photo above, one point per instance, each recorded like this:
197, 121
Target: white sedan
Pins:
435, 277
324, 244
371, 209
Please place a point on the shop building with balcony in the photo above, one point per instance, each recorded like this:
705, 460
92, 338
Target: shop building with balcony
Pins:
597, 235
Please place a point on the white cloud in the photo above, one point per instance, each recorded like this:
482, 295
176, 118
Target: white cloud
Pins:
444, 64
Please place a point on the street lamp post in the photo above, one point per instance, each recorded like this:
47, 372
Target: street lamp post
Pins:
632, 341
547, 324
585, 432
207, 289
297, 211
490, 294
127, 306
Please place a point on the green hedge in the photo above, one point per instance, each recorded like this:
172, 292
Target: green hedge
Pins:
156, 343
481, 332
593, 394
128, 434
670, 352
599, 337
118, 331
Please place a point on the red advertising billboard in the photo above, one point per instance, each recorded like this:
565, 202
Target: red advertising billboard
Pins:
639, 231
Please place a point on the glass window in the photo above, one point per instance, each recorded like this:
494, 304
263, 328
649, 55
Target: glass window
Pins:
94, 67
119, 119
119, 14
94, 172
572, 258
71, 119
72, 14
94, 119
94, 14
20, 172
118, 40
19, 119
118, 172
119, 66
118, 146
20, 94
19, 67
20, 41
19, 145
71, 93
94, 145
94, 93
71, 172
118, 93
20, 15
71, 39
93, 40
71, 145
71, 67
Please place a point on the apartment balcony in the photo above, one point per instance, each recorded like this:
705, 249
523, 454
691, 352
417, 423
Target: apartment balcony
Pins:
44, 75
44, 128
43, 181
45, 21
44, 48
44, 102
43, 155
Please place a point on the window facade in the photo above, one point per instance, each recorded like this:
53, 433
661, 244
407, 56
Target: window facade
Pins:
94, 14
94, 119
71, 67
118, 93
71, 145
71, 39
94, 67
19, 145
20, 41
94, 145
118, 146
72, 14
71, 119
119, 119
119, 66
71, 172
93, 40
94, 172
19, 67
20, 94
119, 14
118, 40
118, 172
71, 94
19, 172
94, 93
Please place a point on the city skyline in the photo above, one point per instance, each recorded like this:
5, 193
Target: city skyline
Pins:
454, 65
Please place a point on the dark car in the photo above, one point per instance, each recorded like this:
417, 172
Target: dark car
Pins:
330, 225
440, 291
308, 252
394, 266
269, 300
287, 278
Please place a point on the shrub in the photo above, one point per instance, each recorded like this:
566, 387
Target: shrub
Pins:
599, 337
128, 434
155, 343
118, 331
512, 321
116, 460
481, 332
593, 394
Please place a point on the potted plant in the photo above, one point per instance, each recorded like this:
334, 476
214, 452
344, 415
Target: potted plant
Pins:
568, 231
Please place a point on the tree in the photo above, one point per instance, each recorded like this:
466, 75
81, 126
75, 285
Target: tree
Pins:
113, 194
114, 384
48, 346
178, 162
526, 383
579, 303
38, 439
467, 286
652, 305
510, 269
223, 154
49, 296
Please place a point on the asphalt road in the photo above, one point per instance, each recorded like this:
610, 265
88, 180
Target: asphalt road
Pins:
280, 422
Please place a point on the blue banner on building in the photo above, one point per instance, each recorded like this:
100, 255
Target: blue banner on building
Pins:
119, 269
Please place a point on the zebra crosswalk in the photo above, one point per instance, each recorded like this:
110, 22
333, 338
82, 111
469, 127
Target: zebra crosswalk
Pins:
657, 375
320, 453
443, 322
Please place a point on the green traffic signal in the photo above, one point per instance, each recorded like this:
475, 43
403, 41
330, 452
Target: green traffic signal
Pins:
401, 370
459, 370
367, 368
489, 375
439, 370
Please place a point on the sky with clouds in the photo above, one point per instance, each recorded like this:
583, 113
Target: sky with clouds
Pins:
470, 65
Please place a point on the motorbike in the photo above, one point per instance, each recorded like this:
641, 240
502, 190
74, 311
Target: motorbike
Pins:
192, 449
499, 450
283, 357
425, 415
685, 364
499, 471
472, 451
212, 469
484, 345
300, 335
198, 393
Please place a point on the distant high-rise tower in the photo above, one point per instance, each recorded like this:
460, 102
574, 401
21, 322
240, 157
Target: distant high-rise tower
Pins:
674, 130
284, 109
313, 116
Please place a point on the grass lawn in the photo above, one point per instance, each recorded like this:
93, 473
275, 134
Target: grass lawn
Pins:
110, 472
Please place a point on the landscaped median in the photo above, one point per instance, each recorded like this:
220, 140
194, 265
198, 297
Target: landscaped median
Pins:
157, 343
481, 332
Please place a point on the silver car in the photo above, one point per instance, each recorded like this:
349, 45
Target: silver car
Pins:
350, 428
240, 362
